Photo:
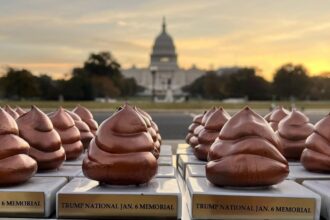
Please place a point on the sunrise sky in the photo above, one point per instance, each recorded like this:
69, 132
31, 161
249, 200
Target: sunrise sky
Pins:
52, 36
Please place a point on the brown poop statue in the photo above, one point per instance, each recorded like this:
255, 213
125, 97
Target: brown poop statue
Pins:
246, 153
15, 165
194, 139
87, 117
46, 148
316, 156
69, 133
197, 120
292, 132
121, 152
277, 115
85, 132
210, 132
11, 112
151, 130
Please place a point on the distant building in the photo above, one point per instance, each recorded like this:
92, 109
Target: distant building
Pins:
169, 76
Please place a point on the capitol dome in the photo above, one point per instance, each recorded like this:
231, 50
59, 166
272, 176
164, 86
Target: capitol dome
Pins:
163, 51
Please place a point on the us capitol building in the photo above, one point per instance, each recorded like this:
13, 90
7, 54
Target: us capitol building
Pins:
168, 76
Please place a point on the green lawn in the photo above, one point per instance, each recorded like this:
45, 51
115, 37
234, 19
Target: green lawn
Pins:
165, 106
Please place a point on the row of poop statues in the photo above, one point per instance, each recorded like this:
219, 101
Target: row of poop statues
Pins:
122, 151
247, 150
31, 140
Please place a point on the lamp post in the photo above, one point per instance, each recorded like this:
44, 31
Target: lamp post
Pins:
153, 71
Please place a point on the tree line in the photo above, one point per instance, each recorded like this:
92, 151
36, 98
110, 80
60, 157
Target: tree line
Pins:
289, 82
100, 76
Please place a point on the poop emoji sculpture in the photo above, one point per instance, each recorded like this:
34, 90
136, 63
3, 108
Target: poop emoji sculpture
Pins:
316, 155
122, 151
85, 132
46, 148
152, 129
292, 132
267, 116
15, 165
277, 115
197, 120
69, 133
11, 112
210, 132
20, 111
194, 139
87, 117
246, 153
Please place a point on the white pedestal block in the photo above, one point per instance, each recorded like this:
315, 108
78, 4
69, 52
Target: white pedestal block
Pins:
165, 161
299, 174
165, 150
183, 149
68, 172
35, 198
163, 172
287, 200
321, 187
84, 198
185, 160
77, 162
294, 163
195, 171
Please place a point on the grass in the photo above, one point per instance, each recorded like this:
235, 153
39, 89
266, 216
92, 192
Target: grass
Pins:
191, 105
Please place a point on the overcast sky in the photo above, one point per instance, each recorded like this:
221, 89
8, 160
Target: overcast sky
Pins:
52, 36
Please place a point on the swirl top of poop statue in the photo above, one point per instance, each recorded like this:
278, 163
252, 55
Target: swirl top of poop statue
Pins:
46, 148
69, 133
197, 120
15, 165
85, 132
246, 153
121, 152
277, 115
267, 116
316, 155
151, 130
210, 132
87, 117
20, 111
11, 112
194, 139
292, 132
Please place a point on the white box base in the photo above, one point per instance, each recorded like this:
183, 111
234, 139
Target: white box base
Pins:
323, 189
84, 198
184, 160
294, 163
165, 150
165, 161
299, 174
68, 172
195, 171
77, 162
35, 198
287, 200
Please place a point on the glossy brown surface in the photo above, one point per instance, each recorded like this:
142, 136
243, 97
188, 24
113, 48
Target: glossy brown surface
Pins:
20, 111
121, 152
246, 153
69, 133
276, 116
46, 148
210, 132
151, 129
87, 117
316, 155
197, 120
194, 139
292, 132
15, 165
11, 112
85, 132
267, 116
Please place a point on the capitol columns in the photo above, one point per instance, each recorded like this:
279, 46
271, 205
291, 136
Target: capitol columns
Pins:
153, 71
